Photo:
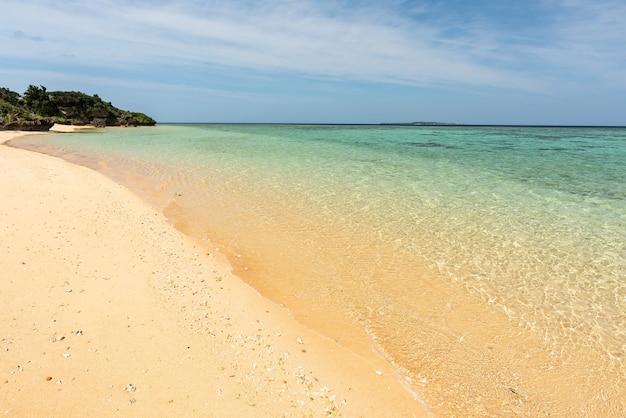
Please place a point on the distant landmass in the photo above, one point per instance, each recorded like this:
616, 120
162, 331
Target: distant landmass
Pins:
424, 124
38, 109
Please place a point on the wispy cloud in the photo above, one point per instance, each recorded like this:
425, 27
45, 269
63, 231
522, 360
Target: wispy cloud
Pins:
422, 46
590, 40
18, 34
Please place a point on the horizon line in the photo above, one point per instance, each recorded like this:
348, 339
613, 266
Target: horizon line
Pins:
405, 124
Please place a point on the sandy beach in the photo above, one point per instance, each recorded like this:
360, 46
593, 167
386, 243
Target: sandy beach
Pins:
107, 310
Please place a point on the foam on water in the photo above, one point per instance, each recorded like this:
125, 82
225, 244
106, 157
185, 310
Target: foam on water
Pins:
488, 264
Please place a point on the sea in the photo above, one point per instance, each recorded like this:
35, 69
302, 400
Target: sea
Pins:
487, 264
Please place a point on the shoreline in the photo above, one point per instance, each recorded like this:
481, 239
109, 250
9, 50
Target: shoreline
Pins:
126, 314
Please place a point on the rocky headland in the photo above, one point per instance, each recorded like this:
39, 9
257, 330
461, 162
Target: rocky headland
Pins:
38, 110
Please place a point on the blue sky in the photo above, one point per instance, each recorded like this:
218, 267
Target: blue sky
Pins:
351, 61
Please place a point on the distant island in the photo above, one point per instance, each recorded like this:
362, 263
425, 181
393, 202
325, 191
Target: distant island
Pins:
424, 124
38, 110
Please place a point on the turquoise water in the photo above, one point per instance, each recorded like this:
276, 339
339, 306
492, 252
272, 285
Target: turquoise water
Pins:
500, 251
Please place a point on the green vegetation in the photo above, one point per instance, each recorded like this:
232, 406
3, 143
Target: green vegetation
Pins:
38, 109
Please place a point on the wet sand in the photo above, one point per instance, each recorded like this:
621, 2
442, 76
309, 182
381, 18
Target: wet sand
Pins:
109, 310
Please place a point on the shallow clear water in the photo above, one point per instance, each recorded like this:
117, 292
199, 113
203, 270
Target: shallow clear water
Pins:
490, 254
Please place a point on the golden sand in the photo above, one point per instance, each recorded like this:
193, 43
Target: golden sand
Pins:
108, 310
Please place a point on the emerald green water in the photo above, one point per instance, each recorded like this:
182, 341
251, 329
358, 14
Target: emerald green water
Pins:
487, 263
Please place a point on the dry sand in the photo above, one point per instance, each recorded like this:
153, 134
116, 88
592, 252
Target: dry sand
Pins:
107, 310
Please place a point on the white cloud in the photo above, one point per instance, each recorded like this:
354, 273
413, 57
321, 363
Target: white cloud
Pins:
317, 39
297, 39
591, 37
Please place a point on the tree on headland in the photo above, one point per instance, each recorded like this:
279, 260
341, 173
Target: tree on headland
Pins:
39, 109
38, 101
9, 96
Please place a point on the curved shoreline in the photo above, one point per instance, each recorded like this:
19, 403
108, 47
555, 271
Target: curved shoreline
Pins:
125, 313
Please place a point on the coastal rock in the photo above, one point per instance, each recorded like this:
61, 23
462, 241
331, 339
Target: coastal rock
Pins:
99, 122
127, 119
43, 124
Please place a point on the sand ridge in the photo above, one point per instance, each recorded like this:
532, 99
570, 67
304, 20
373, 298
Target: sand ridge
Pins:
108, 310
